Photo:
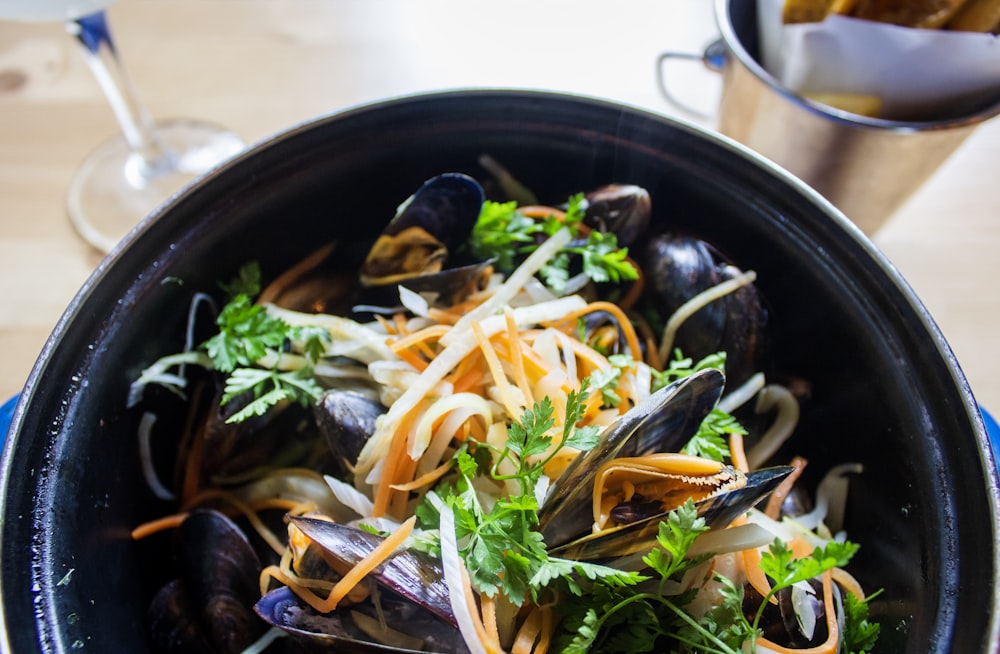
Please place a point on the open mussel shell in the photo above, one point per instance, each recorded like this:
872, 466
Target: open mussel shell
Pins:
340, 631
428, 227
408, 573
663, 422
640, 536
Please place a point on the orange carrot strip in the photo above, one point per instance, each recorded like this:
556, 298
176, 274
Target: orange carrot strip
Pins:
847, 580
541, 211
488, 606
399, 319
389, 327
773, 507
442, 316
492, 646
412, 358
545, 637
832, 642
158, 525
432, 332
393, 458
624, 323
737, 453
496, 370
374, 558
517, 356
425, 479
528, 633
751, 564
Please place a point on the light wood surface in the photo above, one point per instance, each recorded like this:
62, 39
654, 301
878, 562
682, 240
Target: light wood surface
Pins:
260, 66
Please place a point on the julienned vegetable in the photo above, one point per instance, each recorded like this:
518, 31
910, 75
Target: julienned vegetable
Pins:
512, 462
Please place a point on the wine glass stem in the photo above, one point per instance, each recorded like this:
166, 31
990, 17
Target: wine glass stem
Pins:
149, 159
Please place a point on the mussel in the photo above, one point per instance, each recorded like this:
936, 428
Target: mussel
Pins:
678, 268
412, 609
623, 209
209, 607
636, 474
417, 247
346, 419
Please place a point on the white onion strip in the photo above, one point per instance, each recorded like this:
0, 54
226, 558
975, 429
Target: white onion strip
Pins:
699, 301
742, 393
781, 400
511, 286
452, 564
444, 362
424, 430
146, 458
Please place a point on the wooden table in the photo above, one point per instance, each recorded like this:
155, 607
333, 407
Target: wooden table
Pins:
259, 66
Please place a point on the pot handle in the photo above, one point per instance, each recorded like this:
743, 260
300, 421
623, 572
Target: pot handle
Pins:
714, 59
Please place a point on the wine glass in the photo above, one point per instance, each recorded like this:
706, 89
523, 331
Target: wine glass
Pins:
130, 174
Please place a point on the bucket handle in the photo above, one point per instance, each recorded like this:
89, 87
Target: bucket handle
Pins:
713, 58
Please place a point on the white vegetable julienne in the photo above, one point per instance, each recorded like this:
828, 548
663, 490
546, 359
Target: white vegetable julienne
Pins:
692, 306
512, 285
779, 398
349, 496
451, 561
349, 337
416, 303
422, 434
446, 360
146, 424
742, 394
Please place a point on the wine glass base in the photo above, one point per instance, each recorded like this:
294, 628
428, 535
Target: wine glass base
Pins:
114, 189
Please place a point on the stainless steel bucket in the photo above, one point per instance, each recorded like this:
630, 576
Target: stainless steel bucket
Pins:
867, 167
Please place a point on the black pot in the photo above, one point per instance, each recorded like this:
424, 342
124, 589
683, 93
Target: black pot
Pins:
886, 389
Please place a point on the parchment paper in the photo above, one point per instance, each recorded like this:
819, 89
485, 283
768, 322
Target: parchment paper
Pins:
919, 74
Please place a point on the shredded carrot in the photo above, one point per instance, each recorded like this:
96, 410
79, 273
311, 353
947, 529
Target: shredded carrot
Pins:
496, 369
517, 357
413, 359
535, 367
425, 479
542, 211
847, 580
832, 642
491, 645
433, 332
737, 453
545, 637
158, 525
399, 319
397, 450
624, 323
374, 558
444, 316
247, 512
389, 327
488, 606
524, 642
755, 575
773, 507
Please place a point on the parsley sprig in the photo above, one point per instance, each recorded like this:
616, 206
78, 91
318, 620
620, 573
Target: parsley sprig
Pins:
505, 234
247, 349
644, 618
503, 541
